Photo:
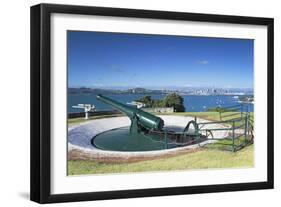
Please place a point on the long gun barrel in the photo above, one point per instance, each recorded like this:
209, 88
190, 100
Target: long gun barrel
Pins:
145, 119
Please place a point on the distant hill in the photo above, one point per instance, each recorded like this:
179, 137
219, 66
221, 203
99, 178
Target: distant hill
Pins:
138, 90
85, 90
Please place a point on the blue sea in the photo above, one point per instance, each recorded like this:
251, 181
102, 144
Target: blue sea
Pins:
192, 103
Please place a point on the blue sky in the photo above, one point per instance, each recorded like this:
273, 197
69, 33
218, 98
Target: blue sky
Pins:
100, 59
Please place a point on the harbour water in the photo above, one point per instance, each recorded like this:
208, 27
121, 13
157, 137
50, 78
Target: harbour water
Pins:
192, 103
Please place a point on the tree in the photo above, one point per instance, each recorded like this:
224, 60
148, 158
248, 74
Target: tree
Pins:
146, 100
171, 100
174, 100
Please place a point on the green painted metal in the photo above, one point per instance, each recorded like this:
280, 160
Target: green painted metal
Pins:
243, 122
232, 114
246, 128
197, 132
166, 141
233, 136
193, 122
140, 120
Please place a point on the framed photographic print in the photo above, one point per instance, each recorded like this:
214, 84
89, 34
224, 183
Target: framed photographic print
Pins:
133, 103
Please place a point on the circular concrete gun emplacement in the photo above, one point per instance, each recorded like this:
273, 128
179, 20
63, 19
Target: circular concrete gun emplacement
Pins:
109, 139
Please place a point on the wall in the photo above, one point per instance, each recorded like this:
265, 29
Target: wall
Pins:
159, 110
14, 86
93, 113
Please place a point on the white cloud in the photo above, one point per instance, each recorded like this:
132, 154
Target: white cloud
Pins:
204, 62
97, 85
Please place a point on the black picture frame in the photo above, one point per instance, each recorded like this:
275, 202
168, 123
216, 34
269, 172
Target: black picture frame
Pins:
41, 96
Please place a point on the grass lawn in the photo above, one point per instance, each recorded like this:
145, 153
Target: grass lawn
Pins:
211, 156
203, 159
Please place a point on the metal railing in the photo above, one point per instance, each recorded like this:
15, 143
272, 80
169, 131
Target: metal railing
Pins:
237, 124
238, 121
238, 132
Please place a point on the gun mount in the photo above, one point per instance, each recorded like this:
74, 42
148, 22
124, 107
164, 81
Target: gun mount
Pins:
141, 121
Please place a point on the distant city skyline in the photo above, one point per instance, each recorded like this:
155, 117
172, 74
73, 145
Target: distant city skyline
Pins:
174, 88
107, 60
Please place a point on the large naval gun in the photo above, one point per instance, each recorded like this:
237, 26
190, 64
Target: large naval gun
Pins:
141, 121
147, 125
155, 136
